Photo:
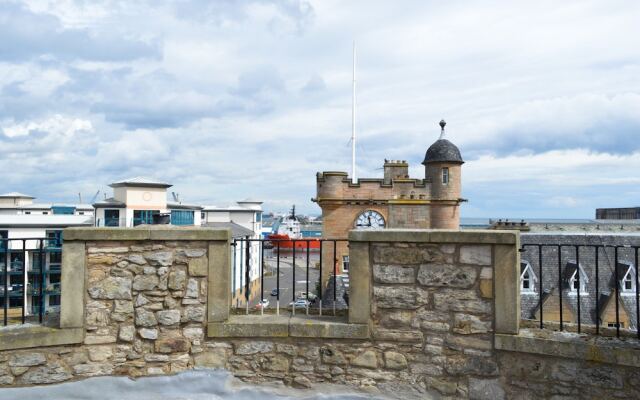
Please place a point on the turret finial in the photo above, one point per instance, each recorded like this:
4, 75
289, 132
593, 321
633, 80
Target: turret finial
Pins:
442, 125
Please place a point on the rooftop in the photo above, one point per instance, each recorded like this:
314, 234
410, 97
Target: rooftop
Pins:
141, 181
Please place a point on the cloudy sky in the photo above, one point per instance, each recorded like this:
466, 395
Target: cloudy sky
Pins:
235, 99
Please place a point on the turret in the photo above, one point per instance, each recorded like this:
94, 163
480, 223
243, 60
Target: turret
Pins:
443, 168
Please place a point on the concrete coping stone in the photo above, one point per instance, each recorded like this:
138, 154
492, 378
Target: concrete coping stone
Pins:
572, 345
150, 232
474, 236
29, 336
288, 326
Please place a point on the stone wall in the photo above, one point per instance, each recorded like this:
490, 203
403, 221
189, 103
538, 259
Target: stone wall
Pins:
430, 317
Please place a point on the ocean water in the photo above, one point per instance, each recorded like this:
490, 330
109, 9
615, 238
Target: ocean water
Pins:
190, 385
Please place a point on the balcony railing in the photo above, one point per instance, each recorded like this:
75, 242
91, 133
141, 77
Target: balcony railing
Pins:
279, 270
20, 306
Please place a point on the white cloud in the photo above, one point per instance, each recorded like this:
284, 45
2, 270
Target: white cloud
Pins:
56, 125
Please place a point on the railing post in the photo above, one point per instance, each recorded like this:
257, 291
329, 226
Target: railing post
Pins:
219, 294
72, 278
359, 283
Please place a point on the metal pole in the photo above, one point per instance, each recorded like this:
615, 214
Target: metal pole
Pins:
637, 294
578, 279
307, 278
617, 293
335, 273
320, 279
43, 280
597, 291
354, 179
278, 280
540, 284
560, 284
261, 277
293, 290
25, 281
7, 260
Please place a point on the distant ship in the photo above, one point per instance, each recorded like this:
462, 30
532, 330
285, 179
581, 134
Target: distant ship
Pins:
287, 234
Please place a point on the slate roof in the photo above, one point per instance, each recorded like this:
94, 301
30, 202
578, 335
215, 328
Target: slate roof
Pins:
551, 271
141, 181
110, 202
443, 151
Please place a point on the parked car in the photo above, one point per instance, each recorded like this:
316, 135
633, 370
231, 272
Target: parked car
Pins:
312, 297
262, 304
300, 303
274, 292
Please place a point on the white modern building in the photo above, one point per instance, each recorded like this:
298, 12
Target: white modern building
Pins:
31, 237
244, 218
140, 200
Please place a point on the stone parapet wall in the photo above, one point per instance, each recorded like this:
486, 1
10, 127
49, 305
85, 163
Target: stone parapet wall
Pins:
433, 314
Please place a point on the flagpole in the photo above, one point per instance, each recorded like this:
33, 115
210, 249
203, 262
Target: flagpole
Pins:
354, 179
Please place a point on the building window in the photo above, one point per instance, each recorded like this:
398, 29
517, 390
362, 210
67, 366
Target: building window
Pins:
203, 216
45, 212
144, 216
445, 176
574, 285
259, 217
528, 279
27, 212
181, 217
345, 263
613, 324
111, 217
628, 283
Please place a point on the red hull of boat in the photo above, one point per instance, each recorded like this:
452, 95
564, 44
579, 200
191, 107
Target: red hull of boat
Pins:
285, 242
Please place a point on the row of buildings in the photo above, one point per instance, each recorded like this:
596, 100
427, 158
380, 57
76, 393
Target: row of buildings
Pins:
31, 235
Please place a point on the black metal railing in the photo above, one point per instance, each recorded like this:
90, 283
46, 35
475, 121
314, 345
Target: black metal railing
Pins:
258, 273
596, 285
29, 286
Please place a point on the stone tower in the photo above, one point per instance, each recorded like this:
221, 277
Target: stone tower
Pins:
443, 169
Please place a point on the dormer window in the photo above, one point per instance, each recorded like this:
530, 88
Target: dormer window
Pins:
574, 285
628, 282
528, 279
445, 176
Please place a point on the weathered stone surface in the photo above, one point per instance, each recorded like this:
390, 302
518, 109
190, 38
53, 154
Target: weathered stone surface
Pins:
407, 255
161, 258
27, 360
254, 348
123, 306
168, 317
602, 376
127, 333
192, 289
211, 358
147, 333
460, 300
467, 365
397, 318
194, 313
486, 288
467, 324
50, 373
100, 339
475, 254
172, 345
447, 275
100, 353
394, 274
485, 389
177, 279
407, 297
446, 386
395, 360
332, 356
145, 282
278, 363
145, 318
398, 335
136, 259
111, 288
199, 266
301, 382
93, 369
367, 359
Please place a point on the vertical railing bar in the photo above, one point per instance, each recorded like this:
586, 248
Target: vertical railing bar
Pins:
262, 277
560, 285
597, 291
540, 284
7, 259
307, 277
579, 286
278, 279
637, 293
43, 280
617, 292
335, 273
247, 273
25, 281
320, 279
293, 284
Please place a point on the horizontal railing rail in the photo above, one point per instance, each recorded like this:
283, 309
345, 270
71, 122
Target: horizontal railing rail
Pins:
585, 280
255, 259
21, 266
